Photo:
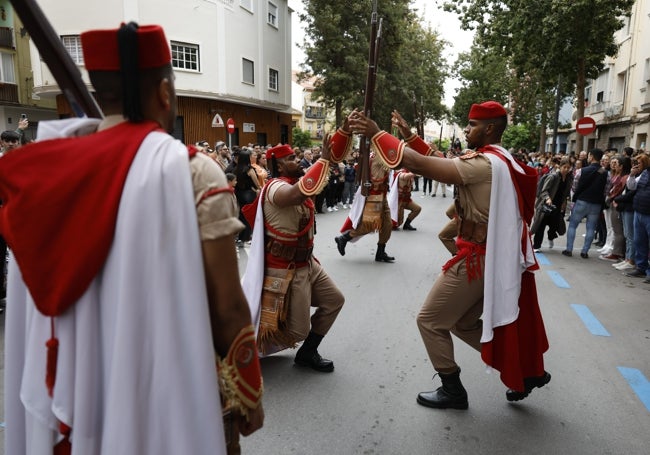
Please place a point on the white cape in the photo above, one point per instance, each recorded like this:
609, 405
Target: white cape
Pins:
503, 269
136, 369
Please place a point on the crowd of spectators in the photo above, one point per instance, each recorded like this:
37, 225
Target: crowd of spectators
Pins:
620, 222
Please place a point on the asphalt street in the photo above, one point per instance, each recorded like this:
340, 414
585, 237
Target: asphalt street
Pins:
598, 324
367, 406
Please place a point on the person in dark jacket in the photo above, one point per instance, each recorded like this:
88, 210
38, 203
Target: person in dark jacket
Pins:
589, 198
246, 189
550, 205
641, 206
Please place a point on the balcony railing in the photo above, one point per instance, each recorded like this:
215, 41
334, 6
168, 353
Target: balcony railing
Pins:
315, 113
8, 93
608, 108
6, 37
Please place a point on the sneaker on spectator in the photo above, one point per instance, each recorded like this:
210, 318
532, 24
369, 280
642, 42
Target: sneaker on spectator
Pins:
329, 209
626, 266
345, 206
335, 208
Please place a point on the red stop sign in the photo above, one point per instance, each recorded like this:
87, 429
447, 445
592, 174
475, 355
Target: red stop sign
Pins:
230, 125
586, 125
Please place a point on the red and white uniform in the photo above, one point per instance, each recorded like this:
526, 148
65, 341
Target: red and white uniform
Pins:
138, 339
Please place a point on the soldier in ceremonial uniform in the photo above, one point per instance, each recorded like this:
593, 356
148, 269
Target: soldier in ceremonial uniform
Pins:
282, 249
113, 329
371, 213
486, 295
403, 179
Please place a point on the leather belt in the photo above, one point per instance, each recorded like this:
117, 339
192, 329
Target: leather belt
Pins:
289, 253
472, 231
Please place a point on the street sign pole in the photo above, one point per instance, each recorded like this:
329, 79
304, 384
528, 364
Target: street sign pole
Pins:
230, 127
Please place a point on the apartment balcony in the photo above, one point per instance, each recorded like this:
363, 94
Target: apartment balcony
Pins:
7, 37
315, 113
8, 93
608, 108
645, 104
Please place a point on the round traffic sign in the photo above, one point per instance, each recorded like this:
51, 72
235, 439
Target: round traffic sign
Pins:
230, 125
586, 125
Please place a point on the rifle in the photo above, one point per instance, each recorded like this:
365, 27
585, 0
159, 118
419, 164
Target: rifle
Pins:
364, 146
57, 59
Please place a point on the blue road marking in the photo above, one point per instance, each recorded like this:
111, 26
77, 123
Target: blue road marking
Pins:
558, 280
542, 259
590, 321
639, 384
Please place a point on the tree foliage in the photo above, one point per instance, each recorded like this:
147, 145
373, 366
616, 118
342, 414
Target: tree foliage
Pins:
519, 136
552, 39
300, 138
485, 76
410, 62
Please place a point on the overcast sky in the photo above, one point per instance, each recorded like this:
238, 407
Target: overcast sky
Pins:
446, 24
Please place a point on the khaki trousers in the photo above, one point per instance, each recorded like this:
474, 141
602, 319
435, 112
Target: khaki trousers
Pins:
413, 208
311, 287
385, 229
453, 305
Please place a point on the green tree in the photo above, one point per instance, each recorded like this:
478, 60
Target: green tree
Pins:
552, 39
336, 46
485, 76
301, 138
519, 136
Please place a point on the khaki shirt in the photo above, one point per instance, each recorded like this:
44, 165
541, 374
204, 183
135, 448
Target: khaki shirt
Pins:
218, 213
291, 219
474, 192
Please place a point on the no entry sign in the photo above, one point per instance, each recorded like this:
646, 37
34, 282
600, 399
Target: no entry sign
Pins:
586, 125
230, 125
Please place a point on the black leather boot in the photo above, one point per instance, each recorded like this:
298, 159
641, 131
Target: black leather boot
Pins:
529, 384
341, 241
408, 227
451, 395
308, 356
381, 255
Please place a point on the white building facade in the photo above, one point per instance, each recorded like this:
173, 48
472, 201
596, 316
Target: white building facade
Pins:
619, 99
232, 59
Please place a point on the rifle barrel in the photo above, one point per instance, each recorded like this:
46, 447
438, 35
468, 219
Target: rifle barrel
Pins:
364, 149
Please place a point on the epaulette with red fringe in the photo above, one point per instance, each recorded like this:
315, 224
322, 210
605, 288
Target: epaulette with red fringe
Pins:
469, 156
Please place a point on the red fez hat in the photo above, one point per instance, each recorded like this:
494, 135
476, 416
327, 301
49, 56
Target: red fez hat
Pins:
100, 49
489, 109
279, 151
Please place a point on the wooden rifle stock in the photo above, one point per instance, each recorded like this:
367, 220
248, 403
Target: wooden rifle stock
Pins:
364, 146
57, 59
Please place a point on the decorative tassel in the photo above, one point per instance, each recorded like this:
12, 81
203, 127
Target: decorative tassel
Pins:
64, 446
52, 355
